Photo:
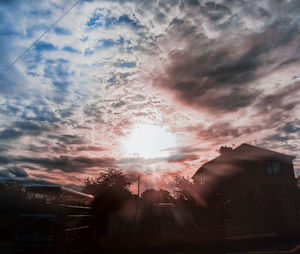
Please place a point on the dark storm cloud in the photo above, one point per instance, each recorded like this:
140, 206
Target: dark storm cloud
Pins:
20, 128
291, 127
38, 149
221, 77
289, 131
13, 172
277, 137
177, 21
4, 160
222, 130
189, 3
182, 158
9, 134
40, 113
214, 11
68, 163
26, 181
31, 128
280, 102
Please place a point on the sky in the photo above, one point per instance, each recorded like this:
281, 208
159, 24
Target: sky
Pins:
151, 87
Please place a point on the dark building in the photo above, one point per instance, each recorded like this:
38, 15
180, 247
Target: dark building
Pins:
248, 169
257, 186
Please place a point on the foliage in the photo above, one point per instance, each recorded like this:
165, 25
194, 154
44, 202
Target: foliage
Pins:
111, 192
112, 178
110, 189
184, 188
152, 196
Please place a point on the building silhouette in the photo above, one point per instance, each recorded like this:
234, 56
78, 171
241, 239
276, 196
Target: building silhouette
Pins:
257, 187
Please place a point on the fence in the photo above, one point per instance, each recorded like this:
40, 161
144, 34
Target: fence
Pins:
244, 216
260, 215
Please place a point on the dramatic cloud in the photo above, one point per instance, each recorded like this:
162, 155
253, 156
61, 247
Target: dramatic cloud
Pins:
68, 164
205, 73
224, 76
13, 172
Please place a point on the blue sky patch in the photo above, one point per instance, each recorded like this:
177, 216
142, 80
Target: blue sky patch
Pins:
49, 61
88, 52
99, 19
124, 75
44, 46
61, 31
106, 43
62, 60
70, 49
84, 39
106, 20
124, 64
112, 80
61, 84
93, 20
126, 20
34, 74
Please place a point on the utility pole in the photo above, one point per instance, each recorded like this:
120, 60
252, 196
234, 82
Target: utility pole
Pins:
139, 186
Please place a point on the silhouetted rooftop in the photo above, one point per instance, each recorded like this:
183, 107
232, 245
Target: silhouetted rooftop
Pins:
245, 152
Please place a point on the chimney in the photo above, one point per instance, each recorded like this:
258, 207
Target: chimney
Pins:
225, 149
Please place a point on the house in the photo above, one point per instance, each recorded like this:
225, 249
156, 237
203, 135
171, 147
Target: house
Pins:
258, 189
248, 169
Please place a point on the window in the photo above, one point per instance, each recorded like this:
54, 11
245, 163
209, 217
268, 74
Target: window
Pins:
273, 167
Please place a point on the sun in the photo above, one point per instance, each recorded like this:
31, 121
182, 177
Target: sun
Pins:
149, 141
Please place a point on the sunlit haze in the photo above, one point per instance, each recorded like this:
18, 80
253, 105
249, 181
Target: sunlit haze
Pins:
149, 141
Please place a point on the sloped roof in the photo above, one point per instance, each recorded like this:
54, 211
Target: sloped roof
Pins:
244, 152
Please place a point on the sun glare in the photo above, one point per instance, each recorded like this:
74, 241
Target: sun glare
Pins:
149, 141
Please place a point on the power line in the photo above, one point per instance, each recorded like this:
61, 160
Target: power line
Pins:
39, 38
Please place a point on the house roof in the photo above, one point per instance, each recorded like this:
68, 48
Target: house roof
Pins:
249, 150
244, 152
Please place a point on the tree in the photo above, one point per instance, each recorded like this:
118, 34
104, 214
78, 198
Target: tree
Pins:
110, 188
184, 189
111, 192
188, 193
112, 178
152, 196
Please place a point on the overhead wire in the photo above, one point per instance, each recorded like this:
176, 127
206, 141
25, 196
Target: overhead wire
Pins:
39, 38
